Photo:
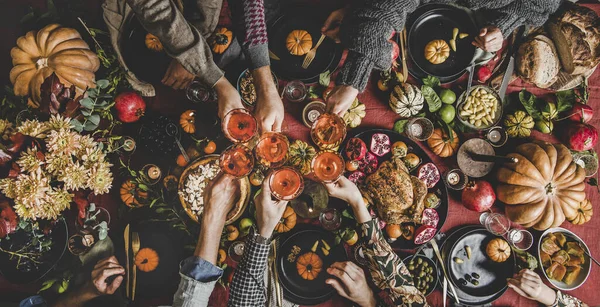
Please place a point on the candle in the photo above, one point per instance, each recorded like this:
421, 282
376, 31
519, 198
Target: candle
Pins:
128, 144
453, 178
153, 172
494, 136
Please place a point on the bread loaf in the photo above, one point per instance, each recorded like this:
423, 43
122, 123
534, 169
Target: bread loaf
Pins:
537, 61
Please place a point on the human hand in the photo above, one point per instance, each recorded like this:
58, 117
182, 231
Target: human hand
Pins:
529, 284
104, 269
269, 107
331, 26
347, 191
351, 283
268, 211
177, 76
340, 99
228, 97
220, 197
489, 39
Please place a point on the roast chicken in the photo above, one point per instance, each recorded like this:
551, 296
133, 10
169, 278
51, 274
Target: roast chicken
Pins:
398, 196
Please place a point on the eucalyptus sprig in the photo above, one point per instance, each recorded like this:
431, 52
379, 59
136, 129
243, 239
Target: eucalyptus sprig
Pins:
97, 103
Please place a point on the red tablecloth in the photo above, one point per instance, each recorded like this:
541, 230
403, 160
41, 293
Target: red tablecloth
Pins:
378, 115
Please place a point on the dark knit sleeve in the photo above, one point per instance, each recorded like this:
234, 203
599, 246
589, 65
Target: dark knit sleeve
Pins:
249, 18
365, 33
523, 12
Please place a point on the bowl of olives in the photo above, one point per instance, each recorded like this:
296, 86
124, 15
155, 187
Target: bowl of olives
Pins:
424, 273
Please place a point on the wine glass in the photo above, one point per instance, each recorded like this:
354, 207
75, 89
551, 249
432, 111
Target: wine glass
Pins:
330, 219
520, 239
500, 225
237, 160
198, 92
286, 183
327, 166
419, 129
271, 149
328, 131
239, 125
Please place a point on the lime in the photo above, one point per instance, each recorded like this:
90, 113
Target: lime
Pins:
447, 96
447, 113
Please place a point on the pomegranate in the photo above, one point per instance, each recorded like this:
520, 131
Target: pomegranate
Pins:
369, 164
424, 234
8, 219
483, 73
581, 113
130, 107
395, 51
581, 137
430, 217
429, 174
478, 196
357, 177
380, 144
356, 149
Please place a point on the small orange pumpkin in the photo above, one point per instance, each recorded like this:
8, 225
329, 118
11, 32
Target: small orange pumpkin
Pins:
309, 265
187, 120
221, 40
146, 260
298, 42
584, 213
287, 221
170, 182
153, 43
498, 250
131, 194
441, 144
437, 51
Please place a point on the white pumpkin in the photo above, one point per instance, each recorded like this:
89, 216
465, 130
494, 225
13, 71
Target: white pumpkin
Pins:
355, 114
406, 100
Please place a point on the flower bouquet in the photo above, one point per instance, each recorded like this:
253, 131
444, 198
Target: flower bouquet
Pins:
43, 165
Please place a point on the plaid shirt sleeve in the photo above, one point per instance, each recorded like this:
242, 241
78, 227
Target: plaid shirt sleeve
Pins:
248, 286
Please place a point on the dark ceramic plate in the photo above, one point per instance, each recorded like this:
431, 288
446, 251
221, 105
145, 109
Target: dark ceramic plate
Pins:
440, 188
433, 22
492, 276
296, 289
8, 267
289, 67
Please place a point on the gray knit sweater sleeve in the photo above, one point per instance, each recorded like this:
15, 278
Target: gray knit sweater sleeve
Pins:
365, 33
521, 12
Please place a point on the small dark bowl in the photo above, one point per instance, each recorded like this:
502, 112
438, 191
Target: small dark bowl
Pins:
431, 264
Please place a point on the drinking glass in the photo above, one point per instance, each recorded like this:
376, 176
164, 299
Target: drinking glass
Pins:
295, 91
239, 125
330, 219
200, 93
271, 149
495, 223
237, 160
286, 183
520, 239
328, 131
328, 166
419, 129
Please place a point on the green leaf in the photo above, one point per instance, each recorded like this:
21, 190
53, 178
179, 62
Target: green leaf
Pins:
325, 78
64, 285
47, 285
77, 125
87, 103
93, 92
86, 112
95, 119
565, 100
103, 83
400, 125
431, 81
528, 100
447, 129
433, 100
143, 187
89, 126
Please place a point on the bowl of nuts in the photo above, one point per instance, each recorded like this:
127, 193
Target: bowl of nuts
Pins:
247, 89
479, 109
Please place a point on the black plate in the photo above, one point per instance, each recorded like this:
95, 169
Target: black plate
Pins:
289, 67
10, 272
296, 289
439, 188
433, 22
494, 274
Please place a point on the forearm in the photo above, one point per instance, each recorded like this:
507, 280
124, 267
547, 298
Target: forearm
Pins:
209, 239
252, 30
248, 287
361, 213
520, 12
75, 298
263, 80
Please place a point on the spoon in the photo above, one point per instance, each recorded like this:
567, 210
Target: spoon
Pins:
173, 131
585, 251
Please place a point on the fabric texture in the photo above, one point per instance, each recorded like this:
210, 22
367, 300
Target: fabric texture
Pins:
250, 22
565, 300
248, 285
200, 269
192, 293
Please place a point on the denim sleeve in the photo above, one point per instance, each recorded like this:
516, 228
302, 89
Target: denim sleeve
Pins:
33, 301
200, 269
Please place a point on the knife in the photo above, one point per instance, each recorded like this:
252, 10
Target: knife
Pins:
471, 70
126, 239
273, 56
510, 68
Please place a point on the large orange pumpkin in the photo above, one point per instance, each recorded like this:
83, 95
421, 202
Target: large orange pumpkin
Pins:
543, 188
584, 213
52, 49
288, 220
298, 42
498, 250
132, 195
441, 144
146, 260
309, 265
221, 40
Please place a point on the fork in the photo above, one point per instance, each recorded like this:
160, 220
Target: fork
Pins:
135, 246
310, 56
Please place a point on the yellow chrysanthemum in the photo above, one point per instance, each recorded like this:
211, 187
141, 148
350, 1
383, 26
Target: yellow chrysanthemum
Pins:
7, 187
50, 207
5, 129
100, 180
58, 122
29, 160
63, 141
31, 188
56, 163
92, 155
33, 128
75, 176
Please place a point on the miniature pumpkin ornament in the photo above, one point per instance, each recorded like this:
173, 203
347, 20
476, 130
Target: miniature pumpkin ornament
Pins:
146, 260
498, 250
298, 42
309, 266
437, 51
288, 220
131, 194
187, 120
584, 213
441, 144
153, 43
53, 49
221, 40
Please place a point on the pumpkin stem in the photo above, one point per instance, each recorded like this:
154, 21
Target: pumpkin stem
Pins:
550, 189
41, 63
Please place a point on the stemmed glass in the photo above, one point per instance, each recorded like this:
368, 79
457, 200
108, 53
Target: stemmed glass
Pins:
239, 125
327, 166
328, 131
286, 183
237, 160
500, 225
271, 149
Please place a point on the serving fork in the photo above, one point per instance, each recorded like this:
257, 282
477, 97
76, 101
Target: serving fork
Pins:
310, 56
135, 247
